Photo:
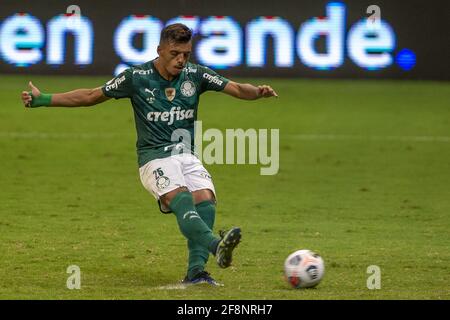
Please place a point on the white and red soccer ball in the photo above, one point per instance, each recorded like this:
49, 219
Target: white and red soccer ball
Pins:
304, 269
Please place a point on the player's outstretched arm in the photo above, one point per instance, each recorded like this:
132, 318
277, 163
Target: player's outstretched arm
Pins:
75, 98
249, 92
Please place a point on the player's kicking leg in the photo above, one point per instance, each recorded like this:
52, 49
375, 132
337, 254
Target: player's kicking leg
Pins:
199, 181
164, 179
198, 255
205, 205
201, 240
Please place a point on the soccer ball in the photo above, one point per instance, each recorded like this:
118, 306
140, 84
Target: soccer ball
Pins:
304, 269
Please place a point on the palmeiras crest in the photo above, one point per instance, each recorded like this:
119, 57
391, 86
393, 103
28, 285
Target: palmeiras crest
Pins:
170, 93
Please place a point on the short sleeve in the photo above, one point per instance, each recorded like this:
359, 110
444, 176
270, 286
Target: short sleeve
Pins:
120, 86
210, 80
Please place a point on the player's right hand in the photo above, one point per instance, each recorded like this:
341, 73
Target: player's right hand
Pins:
27, 98
266, 91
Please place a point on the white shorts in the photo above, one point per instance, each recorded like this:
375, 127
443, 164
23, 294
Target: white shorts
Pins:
161, 176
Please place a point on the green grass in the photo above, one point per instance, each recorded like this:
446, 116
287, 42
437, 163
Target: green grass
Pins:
358, 182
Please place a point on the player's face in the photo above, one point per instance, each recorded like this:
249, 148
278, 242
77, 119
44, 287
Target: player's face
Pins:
174, 56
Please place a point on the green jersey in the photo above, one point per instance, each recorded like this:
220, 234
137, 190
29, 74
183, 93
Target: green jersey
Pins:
161, 106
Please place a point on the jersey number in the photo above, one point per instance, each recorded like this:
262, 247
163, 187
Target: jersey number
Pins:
158, 173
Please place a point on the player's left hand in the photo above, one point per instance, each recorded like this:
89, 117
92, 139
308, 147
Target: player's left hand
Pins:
28, 96
266, 91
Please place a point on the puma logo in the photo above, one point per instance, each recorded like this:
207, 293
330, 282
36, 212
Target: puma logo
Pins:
150, 91
191, 215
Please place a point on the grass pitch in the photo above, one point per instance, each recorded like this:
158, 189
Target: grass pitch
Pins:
364, 180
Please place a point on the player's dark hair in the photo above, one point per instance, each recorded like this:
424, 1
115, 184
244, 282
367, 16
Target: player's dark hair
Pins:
177, 32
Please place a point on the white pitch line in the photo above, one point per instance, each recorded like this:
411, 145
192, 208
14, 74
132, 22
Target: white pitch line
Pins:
305, 137
178, 286
343, 137
60, 135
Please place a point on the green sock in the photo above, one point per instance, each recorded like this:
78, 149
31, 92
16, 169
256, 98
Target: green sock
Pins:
198, 255
190, 223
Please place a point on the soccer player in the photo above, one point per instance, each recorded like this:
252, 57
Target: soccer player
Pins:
164, 93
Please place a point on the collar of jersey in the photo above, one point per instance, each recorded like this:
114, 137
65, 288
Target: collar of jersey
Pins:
159, 75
